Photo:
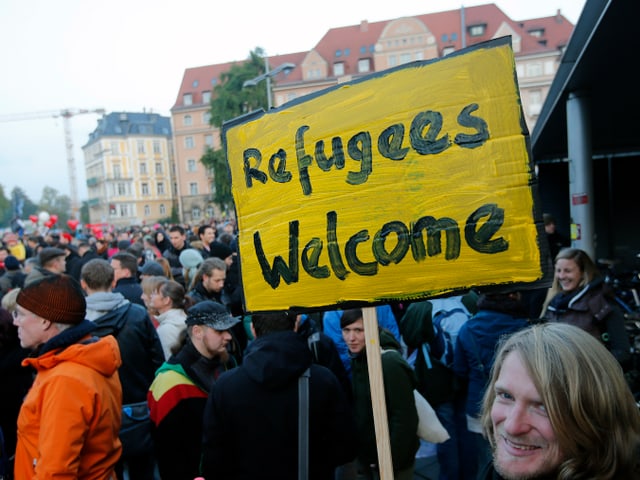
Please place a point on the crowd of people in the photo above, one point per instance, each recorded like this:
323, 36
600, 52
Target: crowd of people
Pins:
130, 356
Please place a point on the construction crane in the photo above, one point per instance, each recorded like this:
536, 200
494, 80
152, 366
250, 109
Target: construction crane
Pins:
66, 115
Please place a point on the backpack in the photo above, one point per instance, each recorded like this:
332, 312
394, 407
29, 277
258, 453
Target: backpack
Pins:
449, 314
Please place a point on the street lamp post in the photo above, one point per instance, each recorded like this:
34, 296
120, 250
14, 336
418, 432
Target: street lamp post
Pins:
267, 75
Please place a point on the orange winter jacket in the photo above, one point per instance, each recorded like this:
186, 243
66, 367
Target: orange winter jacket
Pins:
69, 421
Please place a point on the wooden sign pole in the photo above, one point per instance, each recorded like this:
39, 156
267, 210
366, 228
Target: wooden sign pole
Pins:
376, 382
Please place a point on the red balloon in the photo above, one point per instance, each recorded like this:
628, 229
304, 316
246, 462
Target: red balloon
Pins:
73, 223
33, 218
53, 218
49, 223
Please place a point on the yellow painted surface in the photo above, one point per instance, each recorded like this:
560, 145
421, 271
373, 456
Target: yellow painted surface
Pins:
452, 183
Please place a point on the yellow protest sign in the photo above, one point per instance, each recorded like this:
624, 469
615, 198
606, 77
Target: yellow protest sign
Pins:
405, 184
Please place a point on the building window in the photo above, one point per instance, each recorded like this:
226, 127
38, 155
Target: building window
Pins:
187, 120
193, 188
145, 189
405, 58
195, 213
447, 50
160, 188
338, 53
534, 69
124, 210
122, 188
157, 148
163, 209
364, 65
454, 37
210, 211
338, 69
187, 99
208, 140
549, 68
477, 30
206, 97
140, 146
143, 168
158, 168
147, 210
191, 165
206, 118
188, 142
347, 51
535, 102
114, 150
538, 32
117, 172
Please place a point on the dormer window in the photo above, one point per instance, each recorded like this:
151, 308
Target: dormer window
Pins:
447, 50
538, 32
477, 30
364, 65
187, 99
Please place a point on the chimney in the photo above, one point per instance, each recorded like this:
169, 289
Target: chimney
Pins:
364, 26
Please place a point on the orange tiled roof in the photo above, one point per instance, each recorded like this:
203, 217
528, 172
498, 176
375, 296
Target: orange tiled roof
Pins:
200, 79
351, 43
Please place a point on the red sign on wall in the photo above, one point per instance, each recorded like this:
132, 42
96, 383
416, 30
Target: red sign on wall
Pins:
579, 199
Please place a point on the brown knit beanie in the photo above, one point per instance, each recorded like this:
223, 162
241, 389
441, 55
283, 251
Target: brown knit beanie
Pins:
57, 298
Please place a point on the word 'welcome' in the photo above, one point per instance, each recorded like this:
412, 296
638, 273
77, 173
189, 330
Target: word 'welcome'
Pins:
479, 232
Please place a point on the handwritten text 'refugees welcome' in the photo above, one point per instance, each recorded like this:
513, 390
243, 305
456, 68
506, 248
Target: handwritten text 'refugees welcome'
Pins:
424, 131
425, 138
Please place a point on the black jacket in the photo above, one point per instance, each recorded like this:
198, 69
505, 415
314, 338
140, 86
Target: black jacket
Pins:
173, 257
325, 353
251, 417
130, 289
489, 473
140, 348
84, 259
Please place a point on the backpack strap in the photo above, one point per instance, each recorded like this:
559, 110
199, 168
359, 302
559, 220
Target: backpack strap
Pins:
303, 425
312, 341
427, 357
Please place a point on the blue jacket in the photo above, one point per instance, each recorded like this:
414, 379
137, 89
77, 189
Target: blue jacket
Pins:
486, 327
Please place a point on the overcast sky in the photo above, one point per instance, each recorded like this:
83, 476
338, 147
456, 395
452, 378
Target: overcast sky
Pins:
130, 55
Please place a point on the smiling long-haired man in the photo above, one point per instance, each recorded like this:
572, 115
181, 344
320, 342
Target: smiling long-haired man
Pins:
558, 407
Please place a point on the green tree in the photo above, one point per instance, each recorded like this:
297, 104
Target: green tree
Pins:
28, 207
6, 209
54, 203
230, 100
84, 212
